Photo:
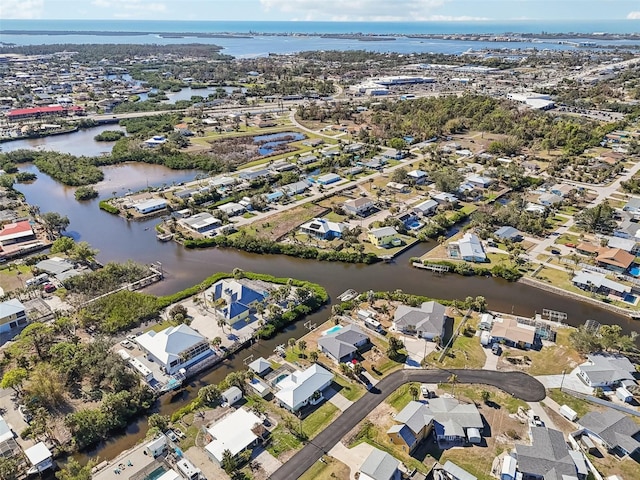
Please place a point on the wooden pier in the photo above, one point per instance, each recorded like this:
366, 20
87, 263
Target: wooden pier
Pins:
435, 268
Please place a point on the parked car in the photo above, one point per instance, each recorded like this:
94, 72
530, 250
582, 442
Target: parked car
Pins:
49, 288
425, 391
127, 344
170, 434
24, 412
496, 349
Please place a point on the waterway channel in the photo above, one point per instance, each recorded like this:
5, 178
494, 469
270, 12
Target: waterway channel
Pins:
119, 240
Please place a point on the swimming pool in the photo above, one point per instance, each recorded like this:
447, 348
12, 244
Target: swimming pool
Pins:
157, 473
414, 225
635, 270
332, 330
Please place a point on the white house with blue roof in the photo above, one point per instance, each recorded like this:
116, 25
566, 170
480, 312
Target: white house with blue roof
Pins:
235, 299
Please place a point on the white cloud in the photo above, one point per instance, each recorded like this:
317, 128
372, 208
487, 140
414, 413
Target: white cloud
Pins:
23, 9
358, 10
634, 15
131, 8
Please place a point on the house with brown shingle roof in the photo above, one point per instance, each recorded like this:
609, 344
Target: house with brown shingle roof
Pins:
615, 259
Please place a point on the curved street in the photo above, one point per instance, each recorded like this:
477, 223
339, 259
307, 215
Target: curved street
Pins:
518, 384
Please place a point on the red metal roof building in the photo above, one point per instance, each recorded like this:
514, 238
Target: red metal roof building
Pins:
37, 112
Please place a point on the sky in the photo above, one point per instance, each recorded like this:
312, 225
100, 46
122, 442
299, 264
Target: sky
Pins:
323, 10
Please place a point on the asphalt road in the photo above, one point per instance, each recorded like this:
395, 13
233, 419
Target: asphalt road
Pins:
520, 385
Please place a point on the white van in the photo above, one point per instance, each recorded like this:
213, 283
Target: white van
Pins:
38, 280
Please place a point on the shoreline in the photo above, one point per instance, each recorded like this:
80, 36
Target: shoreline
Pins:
507, 36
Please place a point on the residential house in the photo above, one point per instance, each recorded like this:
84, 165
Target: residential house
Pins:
384, 237
599, 283
282, 166
468, 248
632, 206
260, 367
295, 188
548, 456
612, 429
398, 187
451, 471
149, 206
307, 159
237, 432
232, 209
615, 259
586, 248
234, 300
426, 208
12, 315
323, 229
427, 322
254, 175
343, 344
452, 422
40, 458
302, 388
418, 177
328, 179
16, 233
508, 233
201, 222
549, 199
155, 141
379, 465
561, 189
627, 244
175, 348
479, 181
509, 331
605, 370
444, 198
360, 206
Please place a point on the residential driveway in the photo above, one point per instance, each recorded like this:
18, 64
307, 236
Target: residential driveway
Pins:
267, 462
352, 457
518, 384
538, 410
491, 363
417, 349
571, 381
337, 399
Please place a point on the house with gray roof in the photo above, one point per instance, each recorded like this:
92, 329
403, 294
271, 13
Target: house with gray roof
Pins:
508, 233
380, 465
453, 423
632, 206
612, 429
605, 370
343, 344
468, 248
547, 457
426, 322
451, 471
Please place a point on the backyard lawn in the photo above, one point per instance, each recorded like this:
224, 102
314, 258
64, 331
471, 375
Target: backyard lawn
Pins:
319, 419
326, 469
556, 359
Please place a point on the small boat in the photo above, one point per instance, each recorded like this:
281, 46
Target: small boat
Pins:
164, 237
348, 295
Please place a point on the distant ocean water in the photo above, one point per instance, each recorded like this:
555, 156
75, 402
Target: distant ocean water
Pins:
263, 42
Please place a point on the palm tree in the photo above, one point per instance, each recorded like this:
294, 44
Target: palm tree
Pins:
221, 323
414, 391
453, 379
313, 356
292, 343
302, 346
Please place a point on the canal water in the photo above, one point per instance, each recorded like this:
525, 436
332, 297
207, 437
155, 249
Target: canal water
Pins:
119, 240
